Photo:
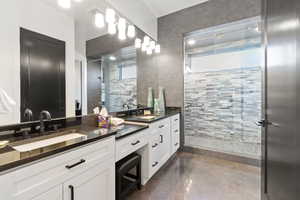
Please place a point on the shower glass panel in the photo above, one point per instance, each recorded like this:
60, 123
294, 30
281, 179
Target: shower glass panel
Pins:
223, 87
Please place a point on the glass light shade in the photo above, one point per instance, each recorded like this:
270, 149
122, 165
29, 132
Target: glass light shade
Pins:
144, 47
149, 51
131, 31
112, 29
110, 16
122, 35
157, 48
138, 43
122, 28
99, 20
146, 40
152, 44
64, 3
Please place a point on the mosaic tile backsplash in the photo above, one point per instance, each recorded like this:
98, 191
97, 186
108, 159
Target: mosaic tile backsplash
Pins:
221, 108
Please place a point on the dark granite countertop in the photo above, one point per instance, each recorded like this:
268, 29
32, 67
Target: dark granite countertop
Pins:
169, 112
77, 136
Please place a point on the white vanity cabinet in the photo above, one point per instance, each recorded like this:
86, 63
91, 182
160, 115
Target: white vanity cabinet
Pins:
87, 168
175, 133
160, 144
53, 194
94, 184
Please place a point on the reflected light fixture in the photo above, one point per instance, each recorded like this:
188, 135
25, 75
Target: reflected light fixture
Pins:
149, 51
157, 48
144, 47
152, 44
64, 3
99, 20
112, 29
131, 31
122, 29
110, 16
191, 42
138, 43
112, 58
146, 40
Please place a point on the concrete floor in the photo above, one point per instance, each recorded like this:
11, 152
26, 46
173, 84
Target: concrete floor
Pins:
196, 177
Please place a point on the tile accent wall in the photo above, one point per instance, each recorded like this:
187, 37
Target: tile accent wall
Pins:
221, 108
120, 92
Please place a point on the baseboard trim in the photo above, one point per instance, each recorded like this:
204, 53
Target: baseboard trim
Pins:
224, 156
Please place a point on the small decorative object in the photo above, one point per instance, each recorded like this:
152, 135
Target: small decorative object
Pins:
103, 118
150, 98
162, 100
156, 106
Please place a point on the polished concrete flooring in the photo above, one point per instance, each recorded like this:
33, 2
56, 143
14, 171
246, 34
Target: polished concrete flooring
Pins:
196, 177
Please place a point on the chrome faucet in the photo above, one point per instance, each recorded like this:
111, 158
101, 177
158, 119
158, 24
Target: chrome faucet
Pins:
44, 115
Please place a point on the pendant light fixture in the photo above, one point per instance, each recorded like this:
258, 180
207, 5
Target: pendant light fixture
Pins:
122, 28
131, 31
138, 43
99, 20
64, 3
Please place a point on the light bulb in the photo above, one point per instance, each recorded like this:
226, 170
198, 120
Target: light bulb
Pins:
110, 16
122, 28
99, 20
157, 48
146, 40
191, 42
112, 29
112, 58
152, 44
64, 3
131, 31
138, 43
149, 51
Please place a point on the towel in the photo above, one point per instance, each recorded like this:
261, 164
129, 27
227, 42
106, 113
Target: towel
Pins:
7, 104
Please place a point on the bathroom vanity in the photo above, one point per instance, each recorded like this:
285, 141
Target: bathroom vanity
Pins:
83, 166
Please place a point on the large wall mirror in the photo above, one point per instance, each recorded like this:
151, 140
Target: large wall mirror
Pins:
58, 60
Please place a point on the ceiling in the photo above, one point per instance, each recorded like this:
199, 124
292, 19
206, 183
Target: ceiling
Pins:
164, 7
83, 14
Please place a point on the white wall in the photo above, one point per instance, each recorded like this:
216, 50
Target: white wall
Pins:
39, 17
138, 13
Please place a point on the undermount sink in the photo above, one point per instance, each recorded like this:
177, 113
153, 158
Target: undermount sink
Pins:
30, 146
148, 117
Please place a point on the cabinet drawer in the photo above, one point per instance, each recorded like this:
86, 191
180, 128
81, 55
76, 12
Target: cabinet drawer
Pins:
37, 178
130, 144
175, 123
162, 125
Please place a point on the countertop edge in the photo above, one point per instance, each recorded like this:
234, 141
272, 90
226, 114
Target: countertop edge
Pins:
10, 167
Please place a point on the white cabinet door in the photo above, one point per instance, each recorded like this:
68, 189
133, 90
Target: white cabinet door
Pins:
52, 194
97, 183
164, 146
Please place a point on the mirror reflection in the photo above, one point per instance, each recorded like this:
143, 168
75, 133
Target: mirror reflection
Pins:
68, 60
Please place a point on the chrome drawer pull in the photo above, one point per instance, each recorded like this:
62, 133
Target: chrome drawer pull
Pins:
155, 145
135, 143
76, 164
176, 131
161, 126
156, 163
72, 191
176, 120
176, 144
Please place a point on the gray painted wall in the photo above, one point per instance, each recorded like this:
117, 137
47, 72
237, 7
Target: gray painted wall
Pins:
167, 70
